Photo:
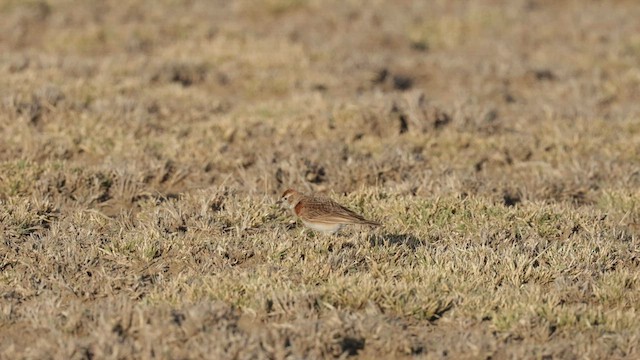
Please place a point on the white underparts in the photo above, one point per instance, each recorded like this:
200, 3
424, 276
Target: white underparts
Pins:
324, 227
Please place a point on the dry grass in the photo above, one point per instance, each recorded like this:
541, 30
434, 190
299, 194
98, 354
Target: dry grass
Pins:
143, 147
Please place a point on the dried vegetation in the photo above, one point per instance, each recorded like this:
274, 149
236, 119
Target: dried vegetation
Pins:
143, 145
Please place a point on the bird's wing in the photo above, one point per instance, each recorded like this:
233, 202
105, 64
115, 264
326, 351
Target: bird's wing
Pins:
328, 211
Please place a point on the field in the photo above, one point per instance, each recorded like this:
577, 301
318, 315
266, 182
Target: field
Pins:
144, 145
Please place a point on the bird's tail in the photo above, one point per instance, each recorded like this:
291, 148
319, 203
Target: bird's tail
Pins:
369, 222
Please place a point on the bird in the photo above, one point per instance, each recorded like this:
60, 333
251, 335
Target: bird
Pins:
321, 213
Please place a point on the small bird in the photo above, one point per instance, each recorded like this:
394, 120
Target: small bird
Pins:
321, 213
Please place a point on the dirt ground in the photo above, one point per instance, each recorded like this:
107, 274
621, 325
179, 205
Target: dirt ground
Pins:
144, 144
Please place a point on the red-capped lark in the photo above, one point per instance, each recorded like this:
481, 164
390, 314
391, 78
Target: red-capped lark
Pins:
321, 213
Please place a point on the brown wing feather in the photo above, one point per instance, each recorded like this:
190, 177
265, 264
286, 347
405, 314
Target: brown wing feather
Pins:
325, 210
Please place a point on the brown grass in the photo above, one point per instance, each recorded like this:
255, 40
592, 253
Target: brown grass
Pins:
143, 147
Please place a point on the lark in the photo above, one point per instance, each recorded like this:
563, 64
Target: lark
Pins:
321, 213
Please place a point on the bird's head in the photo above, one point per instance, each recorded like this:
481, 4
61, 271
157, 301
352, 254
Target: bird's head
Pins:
290, 198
